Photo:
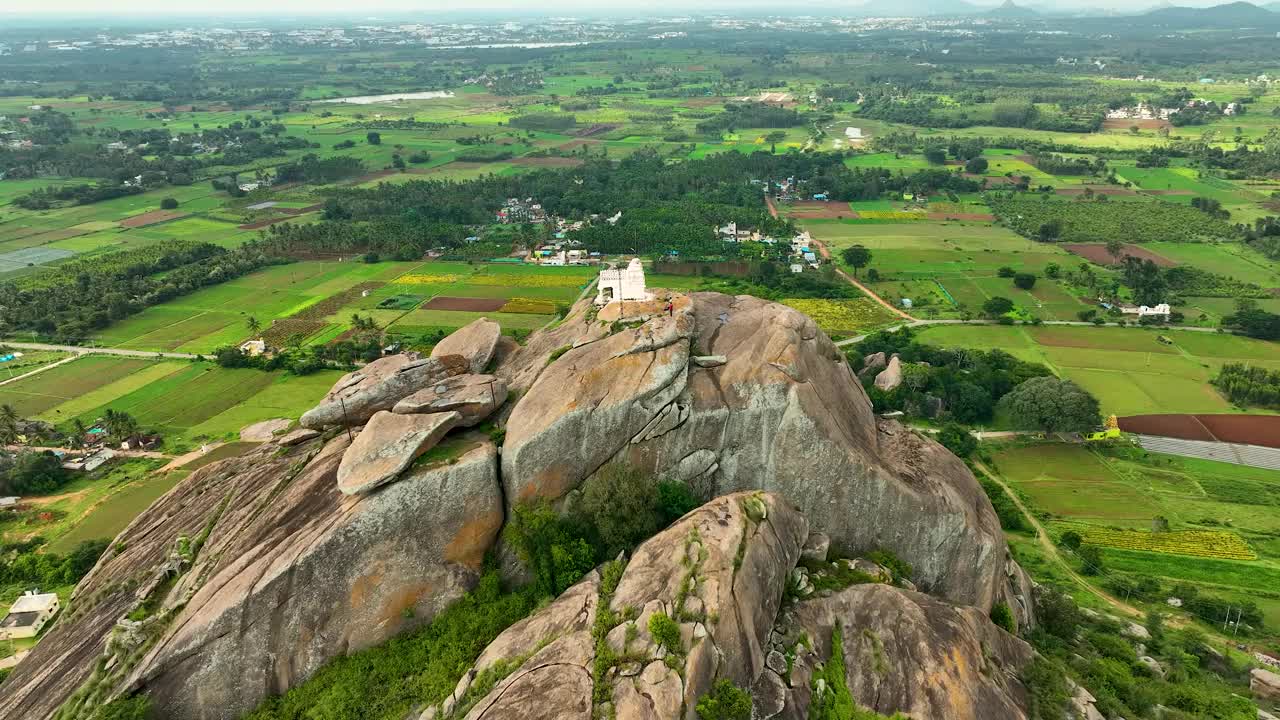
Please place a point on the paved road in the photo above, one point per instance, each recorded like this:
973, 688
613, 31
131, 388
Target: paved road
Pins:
922, 323
96, 350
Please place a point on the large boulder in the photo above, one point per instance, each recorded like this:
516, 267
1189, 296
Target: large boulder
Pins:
283, 574
387, 445
717, 577
474, 397
891, 376
784, 413
358, 395
476, 342
904, 652
1265, 684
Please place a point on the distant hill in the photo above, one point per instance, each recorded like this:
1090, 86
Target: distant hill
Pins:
1011, 10
1236, 14
915, 8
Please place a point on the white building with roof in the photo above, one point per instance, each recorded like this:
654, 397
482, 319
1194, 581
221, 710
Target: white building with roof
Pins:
622, 284
28, 615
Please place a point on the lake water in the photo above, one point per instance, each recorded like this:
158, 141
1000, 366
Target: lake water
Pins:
391, 97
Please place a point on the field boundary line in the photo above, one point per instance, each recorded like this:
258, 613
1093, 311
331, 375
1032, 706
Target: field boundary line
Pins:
39, 370
1046, 543
826, 254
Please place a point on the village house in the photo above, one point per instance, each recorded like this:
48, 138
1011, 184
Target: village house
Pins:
622, 284
254, 348
732, 233
28, 615
1160, 311
90, 462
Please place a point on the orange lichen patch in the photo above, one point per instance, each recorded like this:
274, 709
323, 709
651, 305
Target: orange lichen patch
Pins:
551, 484
401, 603
469, 545
366, 586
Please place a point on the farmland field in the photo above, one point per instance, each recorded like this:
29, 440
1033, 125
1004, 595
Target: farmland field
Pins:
845, 317
1128, 370
185, 401
1221, 517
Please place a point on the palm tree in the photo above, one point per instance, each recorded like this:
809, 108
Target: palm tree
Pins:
253, 324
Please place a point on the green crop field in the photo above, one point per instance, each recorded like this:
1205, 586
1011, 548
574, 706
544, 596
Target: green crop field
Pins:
1233, 260
1113, 495
1128, 370
185, 401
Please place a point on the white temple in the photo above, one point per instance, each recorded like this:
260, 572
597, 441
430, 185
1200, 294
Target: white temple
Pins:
622, 284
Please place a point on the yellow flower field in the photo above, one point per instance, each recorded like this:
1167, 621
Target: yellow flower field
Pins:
1199, 543
420, 279
846, 316
527, 280
531, 306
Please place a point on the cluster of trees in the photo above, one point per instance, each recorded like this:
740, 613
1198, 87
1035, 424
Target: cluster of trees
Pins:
1055, 164
546, 122
21, 564
928, 109
750, 115
1246, 385
1211, 207
32, 473
771, 280
1210, 608
665, 206
79, 194
1093, 653
969, 382
176, 159
77, 297
1100, 220
1244, 160
364, 346
313, 169
1251, 320
1264, 236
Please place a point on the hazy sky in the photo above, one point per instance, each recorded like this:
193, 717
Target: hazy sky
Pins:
278, 8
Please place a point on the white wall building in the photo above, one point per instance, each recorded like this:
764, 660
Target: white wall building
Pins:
28, 614
622, 284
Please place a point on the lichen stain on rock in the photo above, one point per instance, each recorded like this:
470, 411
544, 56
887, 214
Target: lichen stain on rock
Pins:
366, 586
399, 605
469, 544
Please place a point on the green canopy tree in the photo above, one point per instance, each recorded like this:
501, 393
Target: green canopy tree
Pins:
856, 257
1053, 405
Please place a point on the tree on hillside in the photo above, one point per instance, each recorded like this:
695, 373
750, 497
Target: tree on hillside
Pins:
1053, 405
1050, 230
856, 257
976, 166
1090, 559
1024, 281
1115, 249
956, 438
374, 138
253, 325
997, 306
